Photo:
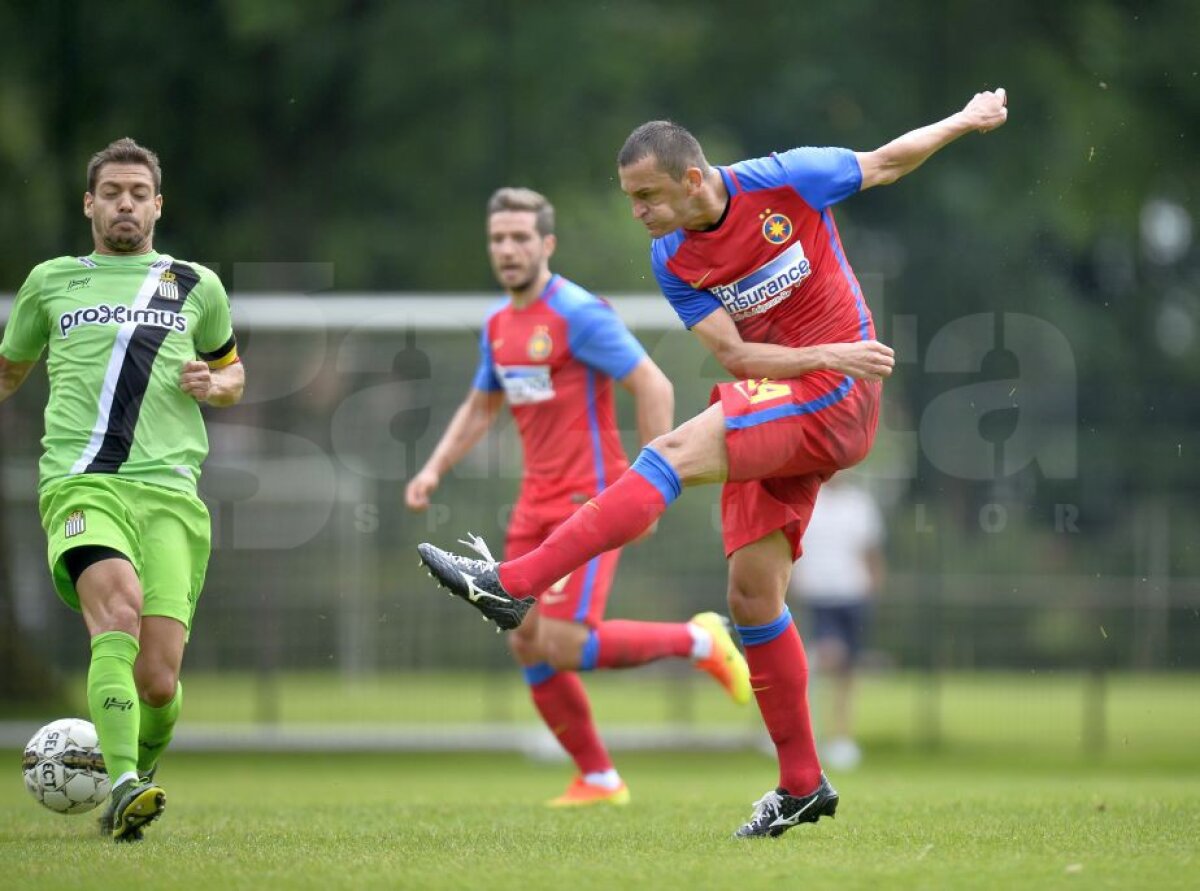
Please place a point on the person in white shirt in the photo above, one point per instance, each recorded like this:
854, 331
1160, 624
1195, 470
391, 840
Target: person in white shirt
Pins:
840, 572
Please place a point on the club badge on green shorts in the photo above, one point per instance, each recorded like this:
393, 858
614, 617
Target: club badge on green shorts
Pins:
75, 523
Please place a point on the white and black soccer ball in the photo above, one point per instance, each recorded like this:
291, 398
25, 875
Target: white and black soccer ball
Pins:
63, 767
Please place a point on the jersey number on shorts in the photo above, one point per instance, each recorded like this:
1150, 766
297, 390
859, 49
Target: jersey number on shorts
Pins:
763, 390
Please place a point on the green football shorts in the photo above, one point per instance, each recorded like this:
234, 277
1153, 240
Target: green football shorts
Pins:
166, 534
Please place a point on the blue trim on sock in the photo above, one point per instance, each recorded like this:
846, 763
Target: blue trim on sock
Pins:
661, 475
539, 674
757, 635
591, 652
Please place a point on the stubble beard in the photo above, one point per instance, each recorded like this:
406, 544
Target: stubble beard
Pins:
527, 284
135, 243
518, 287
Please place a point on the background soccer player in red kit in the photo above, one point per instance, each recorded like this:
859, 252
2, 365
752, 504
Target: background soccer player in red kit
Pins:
750, 258
553, 350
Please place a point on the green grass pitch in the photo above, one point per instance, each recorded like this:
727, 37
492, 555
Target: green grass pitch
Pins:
1010, 800
378, 821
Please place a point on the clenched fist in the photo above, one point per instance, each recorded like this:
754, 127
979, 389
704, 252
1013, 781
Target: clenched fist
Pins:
987, 110
864, 360
196, 380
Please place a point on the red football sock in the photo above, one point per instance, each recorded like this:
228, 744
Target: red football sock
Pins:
563, 704
779, 676
617, 515
625, 644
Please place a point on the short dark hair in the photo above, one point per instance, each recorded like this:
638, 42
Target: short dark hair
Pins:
672, 146
124, 151
519, 198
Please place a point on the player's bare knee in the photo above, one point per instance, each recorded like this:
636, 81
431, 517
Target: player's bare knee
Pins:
156, 686
562, 656
741, 603
524, 647
695, 453
680, 452
668, 444
561, 647
754, 605
562, 660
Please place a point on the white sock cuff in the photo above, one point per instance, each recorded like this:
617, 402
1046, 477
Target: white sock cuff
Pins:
702, 642
605, 779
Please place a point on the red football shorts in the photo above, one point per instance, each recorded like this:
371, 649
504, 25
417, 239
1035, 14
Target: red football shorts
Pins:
583, 595
784, 438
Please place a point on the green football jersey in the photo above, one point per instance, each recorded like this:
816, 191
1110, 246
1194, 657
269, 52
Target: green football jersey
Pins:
119, 330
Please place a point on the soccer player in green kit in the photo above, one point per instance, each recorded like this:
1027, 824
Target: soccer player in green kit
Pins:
136, 341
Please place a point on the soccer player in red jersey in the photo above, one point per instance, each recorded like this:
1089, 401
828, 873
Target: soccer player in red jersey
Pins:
553, 350
750, 258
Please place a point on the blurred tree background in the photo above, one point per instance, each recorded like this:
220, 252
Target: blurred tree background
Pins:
368, 135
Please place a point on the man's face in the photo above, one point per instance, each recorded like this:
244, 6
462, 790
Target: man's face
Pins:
519, 253
123, 209
659, 202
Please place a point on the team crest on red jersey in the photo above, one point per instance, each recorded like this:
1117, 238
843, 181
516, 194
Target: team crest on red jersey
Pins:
540, 345
776, 227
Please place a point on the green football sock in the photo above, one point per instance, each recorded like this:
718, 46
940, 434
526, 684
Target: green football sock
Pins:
113, 701
158, 726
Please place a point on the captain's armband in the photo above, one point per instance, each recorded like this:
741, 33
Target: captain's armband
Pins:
224, 355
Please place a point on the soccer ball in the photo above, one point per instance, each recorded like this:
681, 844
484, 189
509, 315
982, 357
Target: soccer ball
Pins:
64, 769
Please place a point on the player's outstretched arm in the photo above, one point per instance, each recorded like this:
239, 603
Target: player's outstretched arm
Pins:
986, 111
12, 375
470, 422
863, 360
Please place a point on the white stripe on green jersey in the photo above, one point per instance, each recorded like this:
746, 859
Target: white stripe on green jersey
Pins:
119, 330
115, 361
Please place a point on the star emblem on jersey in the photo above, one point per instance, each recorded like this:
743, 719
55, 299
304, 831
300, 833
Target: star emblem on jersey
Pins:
776, 228
540, 345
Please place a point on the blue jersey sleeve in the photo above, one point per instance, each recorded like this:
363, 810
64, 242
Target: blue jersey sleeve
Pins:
692, 306
600, 340
485, 374
822, 176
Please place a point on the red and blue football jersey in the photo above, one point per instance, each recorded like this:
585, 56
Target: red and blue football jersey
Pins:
556, 360
774, 261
